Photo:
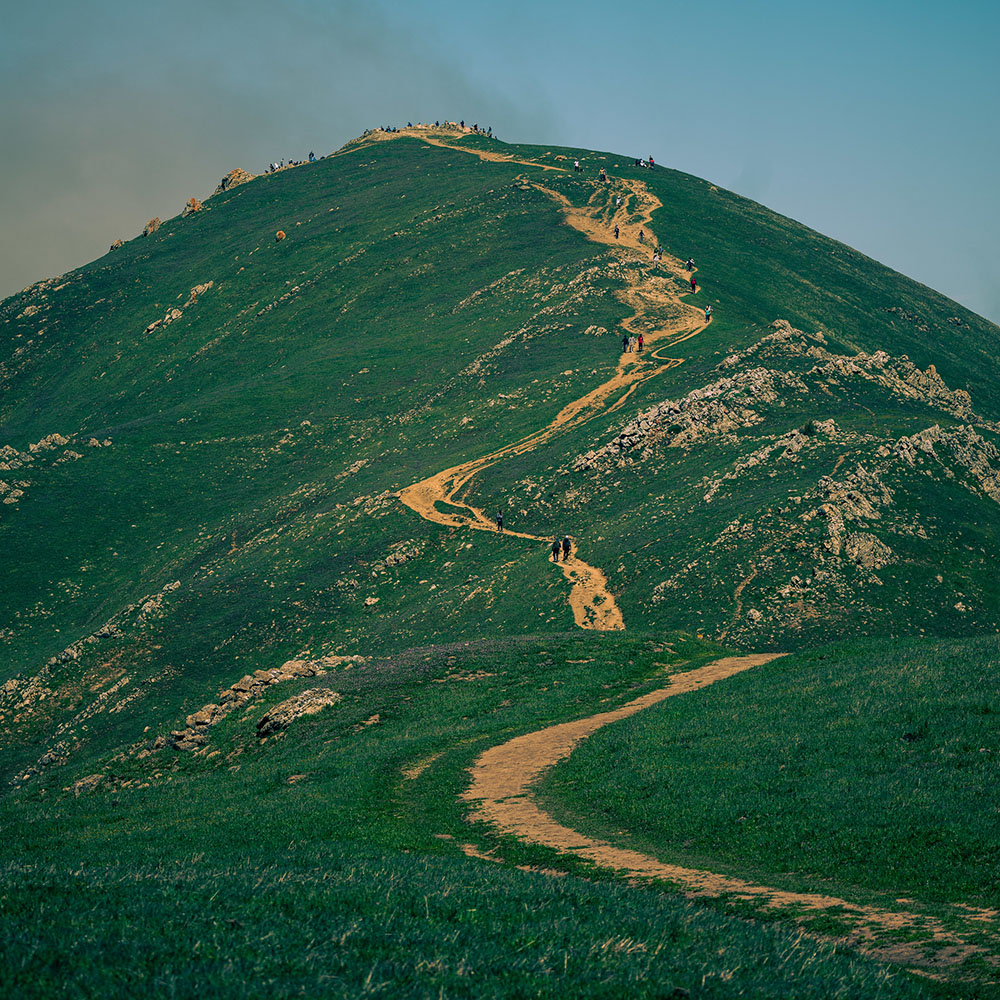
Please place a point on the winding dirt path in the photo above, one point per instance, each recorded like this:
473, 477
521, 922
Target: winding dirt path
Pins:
658, 313
500, 794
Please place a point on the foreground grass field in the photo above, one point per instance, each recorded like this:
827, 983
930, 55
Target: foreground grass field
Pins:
855, 770
312, 864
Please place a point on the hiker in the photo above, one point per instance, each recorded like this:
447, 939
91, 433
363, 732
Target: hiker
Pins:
694, 284
689, 264
631, 344
625, 344
499, 521
708, 313
640, 342
576, 165
555, 551
651, 163
603, 175
642, 236
616, 232
618, 201
566, 547
312, 156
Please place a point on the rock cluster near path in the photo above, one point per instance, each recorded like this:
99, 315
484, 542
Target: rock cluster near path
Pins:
191, 206
711, 411
151, 227
233, 179
282, 716
247, 689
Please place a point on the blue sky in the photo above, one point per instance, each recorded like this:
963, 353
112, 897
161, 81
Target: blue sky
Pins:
874, 123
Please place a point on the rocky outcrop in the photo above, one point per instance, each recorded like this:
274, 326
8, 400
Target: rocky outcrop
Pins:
233, 179
117, 245
968, 449
191, 206
151, 227
714, 410
282, 716
867, 551
247, 689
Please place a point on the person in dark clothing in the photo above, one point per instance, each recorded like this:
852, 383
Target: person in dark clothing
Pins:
555, 551
616, 232
499, 521
565, 547
642, 236
625, 344
694, 284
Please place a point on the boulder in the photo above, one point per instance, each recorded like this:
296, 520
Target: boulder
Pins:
151, 226
233, 179
306, 703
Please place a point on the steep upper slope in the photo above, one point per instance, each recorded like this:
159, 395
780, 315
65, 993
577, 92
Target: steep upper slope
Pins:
210, 433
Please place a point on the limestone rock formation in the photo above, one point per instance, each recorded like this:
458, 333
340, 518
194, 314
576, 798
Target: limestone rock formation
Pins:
306, 703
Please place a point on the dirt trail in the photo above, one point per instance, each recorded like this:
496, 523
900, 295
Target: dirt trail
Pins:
658, 314
502, 779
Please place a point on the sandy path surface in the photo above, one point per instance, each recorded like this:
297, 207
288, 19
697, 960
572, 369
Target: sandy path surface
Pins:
500, 794
658, 314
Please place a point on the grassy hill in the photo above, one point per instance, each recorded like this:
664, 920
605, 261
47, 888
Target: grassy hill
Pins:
204, 436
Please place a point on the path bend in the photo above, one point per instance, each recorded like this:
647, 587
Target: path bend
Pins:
500, 793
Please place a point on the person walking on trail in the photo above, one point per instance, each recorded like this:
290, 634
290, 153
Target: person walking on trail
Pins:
642, 236
694, 284
566, 547
499, 521
576, 165
555, 550
708, 313
616, 232
640, 341
625, 344
618, 201
689, 264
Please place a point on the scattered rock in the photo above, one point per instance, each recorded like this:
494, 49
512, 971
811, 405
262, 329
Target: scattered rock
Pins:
279, 236
867, 551
87, 784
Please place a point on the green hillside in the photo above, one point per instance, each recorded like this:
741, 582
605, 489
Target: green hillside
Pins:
230, 460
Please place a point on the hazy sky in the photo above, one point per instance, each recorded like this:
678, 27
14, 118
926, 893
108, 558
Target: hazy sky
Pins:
875, 122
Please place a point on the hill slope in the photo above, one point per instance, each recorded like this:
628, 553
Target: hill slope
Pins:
242, 473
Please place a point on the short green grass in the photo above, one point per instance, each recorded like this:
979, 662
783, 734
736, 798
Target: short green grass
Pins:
856, 768
226, 878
